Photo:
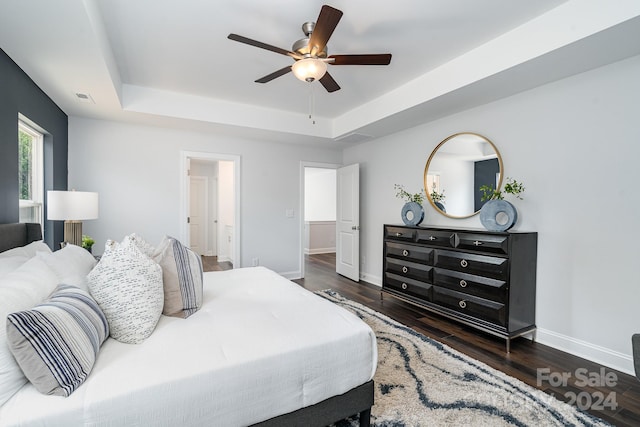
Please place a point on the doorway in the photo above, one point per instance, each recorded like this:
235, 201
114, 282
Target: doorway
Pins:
209, 214
318, 210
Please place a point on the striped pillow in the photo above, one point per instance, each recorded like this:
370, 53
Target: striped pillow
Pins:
181, 276
56, 342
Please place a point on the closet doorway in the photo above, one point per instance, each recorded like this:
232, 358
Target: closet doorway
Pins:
210, 218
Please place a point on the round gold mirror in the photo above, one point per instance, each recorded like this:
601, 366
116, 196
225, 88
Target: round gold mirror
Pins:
456, 170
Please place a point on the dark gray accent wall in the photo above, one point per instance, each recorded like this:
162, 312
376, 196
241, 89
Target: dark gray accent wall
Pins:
19, 94
484, 174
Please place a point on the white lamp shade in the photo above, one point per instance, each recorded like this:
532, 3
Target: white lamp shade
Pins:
72, 205
309, 69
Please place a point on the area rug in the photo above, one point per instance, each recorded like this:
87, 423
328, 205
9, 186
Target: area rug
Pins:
421, 382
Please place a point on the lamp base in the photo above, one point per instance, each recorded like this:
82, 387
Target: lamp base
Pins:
73, 232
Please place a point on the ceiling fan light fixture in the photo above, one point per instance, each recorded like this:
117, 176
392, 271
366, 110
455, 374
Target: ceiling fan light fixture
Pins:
309, 69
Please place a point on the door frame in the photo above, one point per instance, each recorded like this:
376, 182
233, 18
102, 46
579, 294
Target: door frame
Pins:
185, 157
303, 165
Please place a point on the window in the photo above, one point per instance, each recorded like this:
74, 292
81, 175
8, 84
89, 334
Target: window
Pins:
30, 173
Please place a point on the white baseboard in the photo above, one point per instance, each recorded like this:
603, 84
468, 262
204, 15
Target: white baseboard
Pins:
586, 350
316, 251
291, 275
370, 278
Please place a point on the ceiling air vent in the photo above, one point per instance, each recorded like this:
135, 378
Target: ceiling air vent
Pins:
354, 138
84, 98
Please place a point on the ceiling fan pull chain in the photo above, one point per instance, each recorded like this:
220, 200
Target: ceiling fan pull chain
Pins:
312, 104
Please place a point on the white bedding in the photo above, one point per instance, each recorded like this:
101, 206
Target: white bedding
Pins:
260, 346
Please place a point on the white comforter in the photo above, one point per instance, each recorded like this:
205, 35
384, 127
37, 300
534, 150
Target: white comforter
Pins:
260, 346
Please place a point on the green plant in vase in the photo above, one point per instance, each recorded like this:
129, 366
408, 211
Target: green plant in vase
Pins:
512, 187
497, 214
437, 198
403, 194
87, 242
412, 211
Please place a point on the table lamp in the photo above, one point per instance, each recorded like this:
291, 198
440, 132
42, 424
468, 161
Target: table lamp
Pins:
72, 207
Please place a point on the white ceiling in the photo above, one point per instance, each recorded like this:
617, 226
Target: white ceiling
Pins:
169, 62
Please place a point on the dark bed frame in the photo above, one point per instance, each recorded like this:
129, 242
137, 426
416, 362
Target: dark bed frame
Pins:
358, 400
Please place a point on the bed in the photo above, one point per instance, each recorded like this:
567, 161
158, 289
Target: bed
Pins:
260, 351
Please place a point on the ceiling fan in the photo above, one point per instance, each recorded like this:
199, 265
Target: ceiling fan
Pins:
310, 53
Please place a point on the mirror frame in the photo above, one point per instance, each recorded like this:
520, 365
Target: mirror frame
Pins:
433, 153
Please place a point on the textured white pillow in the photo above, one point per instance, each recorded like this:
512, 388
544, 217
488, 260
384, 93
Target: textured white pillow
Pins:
28, 285
71, 264
127, 285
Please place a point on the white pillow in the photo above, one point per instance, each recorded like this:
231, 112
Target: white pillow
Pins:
9, 264
14, 258
28, 251
127, 285
23, 288
71, 264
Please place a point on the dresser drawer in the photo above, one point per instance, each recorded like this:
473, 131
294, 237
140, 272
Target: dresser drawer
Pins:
473, 306
481, 265
489, 243
483, 287
399, 234
409, 252
440, 238
405, 268
408, 286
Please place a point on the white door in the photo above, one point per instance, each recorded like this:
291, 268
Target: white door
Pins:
198, 214
348, 222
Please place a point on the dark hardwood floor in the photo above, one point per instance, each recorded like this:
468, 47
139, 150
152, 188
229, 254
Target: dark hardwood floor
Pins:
608, 394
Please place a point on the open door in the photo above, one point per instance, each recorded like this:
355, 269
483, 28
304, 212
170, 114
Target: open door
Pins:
348, 222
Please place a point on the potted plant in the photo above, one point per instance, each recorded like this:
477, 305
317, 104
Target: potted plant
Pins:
87, 242
437, 198
498, 214
412, 211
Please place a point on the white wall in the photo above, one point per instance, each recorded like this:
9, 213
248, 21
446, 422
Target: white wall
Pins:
319, 194
575, 144
136, 170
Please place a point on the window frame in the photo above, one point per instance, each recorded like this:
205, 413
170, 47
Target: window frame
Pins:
37, 172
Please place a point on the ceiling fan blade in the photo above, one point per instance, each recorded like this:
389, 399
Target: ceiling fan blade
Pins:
274, 75
375, 59
329, 84
326, 23
261, 45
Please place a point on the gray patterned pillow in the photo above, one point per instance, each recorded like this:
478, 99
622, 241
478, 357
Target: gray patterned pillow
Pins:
127, 285
182, 277
56, 342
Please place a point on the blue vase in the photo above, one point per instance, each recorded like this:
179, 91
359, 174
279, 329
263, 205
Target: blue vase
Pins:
412, 213
498, 215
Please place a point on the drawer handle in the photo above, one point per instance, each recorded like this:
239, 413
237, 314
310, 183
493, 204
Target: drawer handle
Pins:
463, 283
405, 269
477, 243
433, 238
398, 234
464, 263
462, 304
404, 286
405, 252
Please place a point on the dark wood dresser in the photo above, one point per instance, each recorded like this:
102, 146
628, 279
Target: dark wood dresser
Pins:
483, 279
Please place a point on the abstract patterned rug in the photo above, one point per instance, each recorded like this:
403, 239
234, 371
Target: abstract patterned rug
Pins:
421, 382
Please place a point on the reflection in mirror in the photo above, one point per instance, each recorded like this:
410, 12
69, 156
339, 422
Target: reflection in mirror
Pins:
456, 170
